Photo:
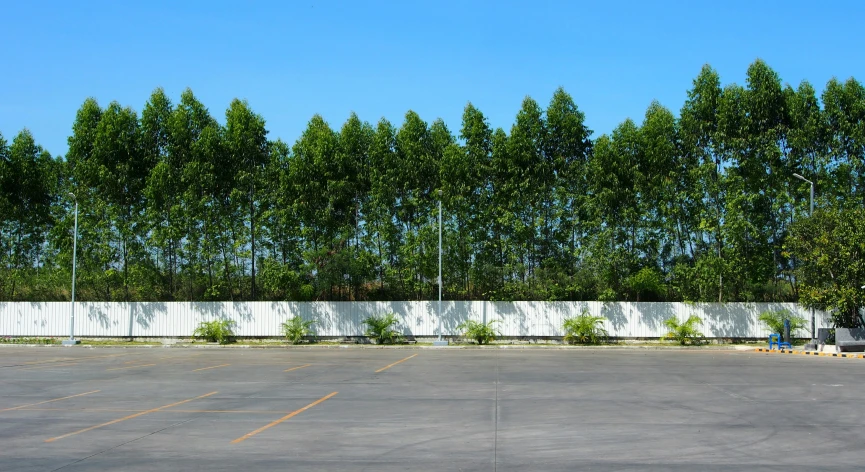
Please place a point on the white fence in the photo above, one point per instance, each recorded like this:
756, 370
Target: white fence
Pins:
262, 319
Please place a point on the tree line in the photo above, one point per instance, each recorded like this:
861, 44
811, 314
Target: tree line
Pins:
174, 205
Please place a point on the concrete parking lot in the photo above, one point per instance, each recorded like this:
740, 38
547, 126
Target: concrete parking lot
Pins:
76, 409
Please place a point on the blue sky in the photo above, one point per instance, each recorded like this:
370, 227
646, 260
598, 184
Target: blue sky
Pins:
291, 60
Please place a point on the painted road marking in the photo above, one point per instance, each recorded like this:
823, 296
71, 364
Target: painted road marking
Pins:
175, 410
132, 367
49, 401
136, 415
286, 417
49, 366
298, 367
212, 367
395, 363
59, 359
811, 353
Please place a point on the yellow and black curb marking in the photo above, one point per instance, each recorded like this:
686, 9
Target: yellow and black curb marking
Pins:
812, 353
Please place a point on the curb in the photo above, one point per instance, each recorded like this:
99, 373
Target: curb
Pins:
811, 353
403, 347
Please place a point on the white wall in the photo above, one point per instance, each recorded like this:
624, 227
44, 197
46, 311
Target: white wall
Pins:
178, 319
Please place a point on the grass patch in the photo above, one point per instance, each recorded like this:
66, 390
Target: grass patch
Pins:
16, 340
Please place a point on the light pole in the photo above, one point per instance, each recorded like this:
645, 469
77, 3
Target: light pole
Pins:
810, 213
440, 341
72, 341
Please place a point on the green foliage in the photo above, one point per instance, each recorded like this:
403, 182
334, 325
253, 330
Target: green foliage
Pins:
296, 329
16, 340
584, 329
774, 321
216, 331
684, 333
697, 203
380, 329
830, 249
481, 333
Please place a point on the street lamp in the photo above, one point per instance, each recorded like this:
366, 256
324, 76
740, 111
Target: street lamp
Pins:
72, 341
440, 341
810, 213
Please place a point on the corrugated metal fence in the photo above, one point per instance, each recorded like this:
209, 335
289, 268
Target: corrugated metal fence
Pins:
261, 319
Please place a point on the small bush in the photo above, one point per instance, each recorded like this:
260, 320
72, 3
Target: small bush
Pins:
585, 329
216, 331
684, 333
296, 329
380, 329
774, 321
481, 333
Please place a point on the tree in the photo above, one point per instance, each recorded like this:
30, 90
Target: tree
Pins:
29, 186
246, 145
830, 248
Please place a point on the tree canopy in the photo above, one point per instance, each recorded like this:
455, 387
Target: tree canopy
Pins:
695, 205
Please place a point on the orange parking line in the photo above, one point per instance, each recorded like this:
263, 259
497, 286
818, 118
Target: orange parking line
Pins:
49, 401
298, 367
288, 416
176, 410
153, 410
395, 363
132, 367
49, 366
212, 367
59, 359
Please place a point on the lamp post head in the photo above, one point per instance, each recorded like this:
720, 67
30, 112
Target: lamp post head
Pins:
799, 176
72, 195
440, 193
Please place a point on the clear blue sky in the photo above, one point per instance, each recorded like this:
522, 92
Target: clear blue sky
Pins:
293, 59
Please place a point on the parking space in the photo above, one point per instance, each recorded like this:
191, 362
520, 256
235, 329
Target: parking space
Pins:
77, 409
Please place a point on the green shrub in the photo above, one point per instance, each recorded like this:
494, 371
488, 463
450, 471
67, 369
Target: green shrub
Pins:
584, 329
380, 329
684, 333
774, 321
481, 333
296, 329
216, 331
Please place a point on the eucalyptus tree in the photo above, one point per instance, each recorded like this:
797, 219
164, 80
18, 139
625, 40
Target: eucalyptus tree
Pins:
161, 192
247, 151
313, 178
383, 234
121, 171
98, 277
465, 188
702, 151
529, 183
29, 185
353, 199
844, 108
661, 185
417, 178
567, 148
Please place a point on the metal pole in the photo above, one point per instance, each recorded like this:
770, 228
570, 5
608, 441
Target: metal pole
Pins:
813, 315
810, 214
440, 265
440, 341
72, 340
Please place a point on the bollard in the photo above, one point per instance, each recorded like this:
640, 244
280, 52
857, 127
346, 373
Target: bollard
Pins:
786, 331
